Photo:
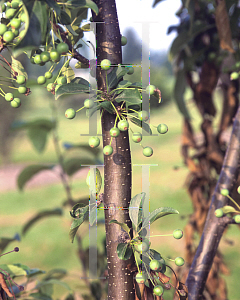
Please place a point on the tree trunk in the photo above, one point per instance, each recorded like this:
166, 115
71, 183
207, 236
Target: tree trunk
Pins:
214, 227
117, 167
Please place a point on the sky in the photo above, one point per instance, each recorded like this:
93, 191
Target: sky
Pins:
132, 11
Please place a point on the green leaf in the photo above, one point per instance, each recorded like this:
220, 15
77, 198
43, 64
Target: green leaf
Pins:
129, 96
53, 4
83, 213
53, 281
15, 269
141, 124
229, 209
68, 73
158, 213
83, 4
72, 88
91, 181
57, 273
37, 26
93, 151
41, 215
108, 106
124, 251
156, 255
72, 165
38, 137
40, 296
28, 172
18, 67
123, 225
64, 18
179, 89
134, 210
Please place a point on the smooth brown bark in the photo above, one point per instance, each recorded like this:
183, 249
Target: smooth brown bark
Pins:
117, 167
214, 227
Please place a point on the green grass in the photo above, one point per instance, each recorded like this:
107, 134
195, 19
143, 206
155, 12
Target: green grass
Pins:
47, 244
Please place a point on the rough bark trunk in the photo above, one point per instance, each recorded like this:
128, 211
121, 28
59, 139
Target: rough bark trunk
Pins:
214, 227
117, 167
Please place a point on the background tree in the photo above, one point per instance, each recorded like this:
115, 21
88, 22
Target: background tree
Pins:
205, 54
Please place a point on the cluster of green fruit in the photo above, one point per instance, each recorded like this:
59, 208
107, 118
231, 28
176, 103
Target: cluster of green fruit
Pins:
229, 210
14, 20
50, 54
40, 57
123, 124
22, 89
157, 263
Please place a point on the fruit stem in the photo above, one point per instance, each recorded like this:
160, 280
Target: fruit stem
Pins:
80, 109
161, 235
123, 89
61, 69
148, 274
116, 111
233, 201
2, 92
134, 252
106, 81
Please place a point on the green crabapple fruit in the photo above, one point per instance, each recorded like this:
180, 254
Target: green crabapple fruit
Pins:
8, 36
15, 23
142, 246
22, 90
162, 128
48, 75
51, 87
150, 89
62, 48
54, 55
3, 29
94, 142
237, 219
136, 137
41, 79
143, 115
114, 132
130, 70
37, 59
123, 40
177, 234
61, 80
16, 102
123, 125
70, 113
147, 151
179, 261
219, 213
224, 192
45, 56
9, 97
14, 4
154, 265
23, 17
140, 277
10, 13
88, 103
108, 150
105, 64
234, 76
238, 190
21, 79
158, 290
